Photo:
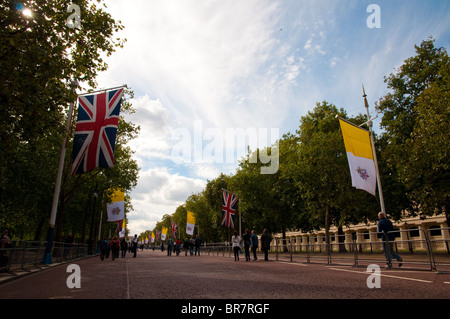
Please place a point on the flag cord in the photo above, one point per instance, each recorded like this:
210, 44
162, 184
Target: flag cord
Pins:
103, 90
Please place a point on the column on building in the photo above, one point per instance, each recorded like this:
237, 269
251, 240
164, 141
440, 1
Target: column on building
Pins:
360, 240
423, 241
375, 242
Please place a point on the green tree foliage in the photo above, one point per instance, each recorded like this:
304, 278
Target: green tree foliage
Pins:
323, 176
40, 57
426, 172
415, 118
312, 187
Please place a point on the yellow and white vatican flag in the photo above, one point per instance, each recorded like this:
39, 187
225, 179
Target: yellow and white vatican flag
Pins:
190, 223
360, 157
163, 233
116, 209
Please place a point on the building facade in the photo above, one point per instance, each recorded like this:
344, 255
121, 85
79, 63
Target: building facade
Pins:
412, 233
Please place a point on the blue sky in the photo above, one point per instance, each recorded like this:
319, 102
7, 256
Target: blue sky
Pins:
206, 73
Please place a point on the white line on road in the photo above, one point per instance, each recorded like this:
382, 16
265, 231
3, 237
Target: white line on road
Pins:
290, 263
384, 275
128, 281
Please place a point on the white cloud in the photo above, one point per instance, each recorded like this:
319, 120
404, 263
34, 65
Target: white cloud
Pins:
153, 119
159, 192
196, 54
243, 64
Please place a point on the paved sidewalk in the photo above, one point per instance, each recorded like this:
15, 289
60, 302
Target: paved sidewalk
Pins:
16, 272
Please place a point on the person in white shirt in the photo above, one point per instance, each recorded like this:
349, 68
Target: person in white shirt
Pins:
236, 244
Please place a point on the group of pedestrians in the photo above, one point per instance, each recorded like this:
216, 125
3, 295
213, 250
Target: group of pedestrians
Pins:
249, 240
173, 246
114, 246
190, 245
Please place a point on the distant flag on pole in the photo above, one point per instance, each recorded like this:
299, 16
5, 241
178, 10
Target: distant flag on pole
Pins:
122, 233
190, 223
174, 229
229, 205
95, 132
119, 227
360, 157
153, 237
116, 209
163, 233
157, 235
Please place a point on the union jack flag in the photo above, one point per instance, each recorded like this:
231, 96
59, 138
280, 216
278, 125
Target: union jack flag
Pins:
95, 132
174, 229
228, 209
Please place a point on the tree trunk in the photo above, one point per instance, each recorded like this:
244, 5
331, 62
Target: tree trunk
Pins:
341, 240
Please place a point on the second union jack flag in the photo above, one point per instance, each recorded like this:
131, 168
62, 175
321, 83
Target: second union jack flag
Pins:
95, 133
229, 209
174, 230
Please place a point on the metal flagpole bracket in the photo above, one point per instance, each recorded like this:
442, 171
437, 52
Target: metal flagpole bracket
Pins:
369, 122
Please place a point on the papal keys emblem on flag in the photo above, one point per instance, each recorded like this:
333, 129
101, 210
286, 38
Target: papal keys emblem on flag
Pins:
228, 209
95, 133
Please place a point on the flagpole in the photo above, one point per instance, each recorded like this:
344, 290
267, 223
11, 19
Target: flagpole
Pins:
239, 207
51, 229
369, 123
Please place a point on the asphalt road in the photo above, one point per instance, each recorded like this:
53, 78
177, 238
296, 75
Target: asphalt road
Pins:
205, 280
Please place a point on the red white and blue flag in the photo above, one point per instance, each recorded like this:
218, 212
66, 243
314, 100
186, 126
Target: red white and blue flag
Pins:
174, 230
228, 209
95, 133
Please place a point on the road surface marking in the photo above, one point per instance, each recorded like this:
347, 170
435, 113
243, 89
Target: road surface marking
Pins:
128, 281
384, 275
292, 263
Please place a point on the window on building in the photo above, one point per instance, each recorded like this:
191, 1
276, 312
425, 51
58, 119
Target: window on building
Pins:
414, 232
435, 230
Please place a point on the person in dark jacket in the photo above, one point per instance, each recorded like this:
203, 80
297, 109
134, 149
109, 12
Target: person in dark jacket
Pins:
186, 246
254, 244
123, 247
265, 243
104, 247
385, 227
246, 238
115, 247
198, 242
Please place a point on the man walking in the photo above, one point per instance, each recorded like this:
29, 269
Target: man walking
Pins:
134, 245
265, 243
385, 228
197, 245
254, 244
